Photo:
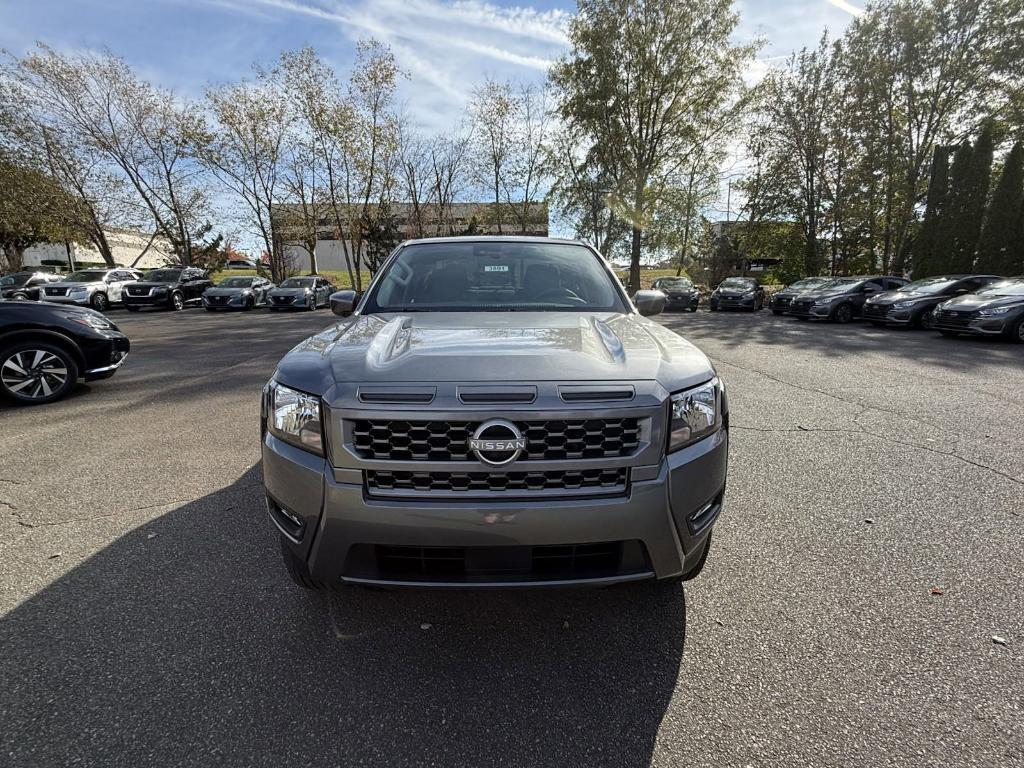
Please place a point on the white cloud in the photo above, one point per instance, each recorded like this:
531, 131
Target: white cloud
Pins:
848, 7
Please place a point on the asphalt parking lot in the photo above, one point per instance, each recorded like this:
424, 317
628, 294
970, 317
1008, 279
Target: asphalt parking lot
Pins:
145, 618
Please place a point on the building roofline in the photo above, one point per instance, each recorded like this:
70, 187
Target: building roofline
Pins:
492, 239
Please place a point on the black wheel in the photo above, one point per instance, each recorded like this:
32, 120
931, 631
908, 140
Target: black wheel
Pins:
20, 297
99, 302
693, 309
297, 569
37, 372
249, 304
132, 309
843, 313
311, 304
1017, 331
948, 333
695, 571
177, 301
926, 319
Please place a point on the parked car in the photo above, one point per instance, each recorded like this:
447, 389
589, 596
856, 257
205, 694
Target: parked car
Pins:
301, 293
997, 309
779, 301
737, 293
96, 288
240, 264
914, 303
45, 348
681, 293
237, 293
543, 431
25, 286
841, 300
169, 287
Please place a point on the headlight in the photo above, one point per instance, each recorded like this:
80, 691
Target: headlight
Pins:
994, 311
81, 289
823, 302
295, 418
98, 322
159, 290
906, 304
695, 414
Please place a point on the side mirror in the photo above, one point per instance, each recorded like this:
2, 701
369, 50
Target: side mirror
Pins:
649, 302
343, 303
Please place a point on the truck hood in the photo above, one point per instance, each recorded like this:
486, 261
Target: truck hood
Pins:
973, 301
493, 347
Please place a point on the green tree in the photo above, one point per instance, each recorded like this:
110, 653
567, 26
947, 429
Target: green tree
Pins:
926, 248
640, 77
1000, 249
972, 196
950, 225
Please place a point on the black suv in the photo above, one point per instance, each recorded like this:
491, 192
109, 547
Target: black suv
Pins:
25, 286
45, 348
842, 299
170, 287
997, 309
737, 293
914, 303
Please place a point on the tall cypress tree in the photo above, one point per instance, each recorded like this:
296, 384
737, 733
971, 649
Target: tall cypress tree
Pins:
947, 227
1000, 243
973, 198
925, 247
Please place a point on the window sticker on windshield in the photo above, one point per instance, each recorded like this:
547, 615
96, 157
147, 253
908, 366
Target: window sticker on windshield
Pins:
495, 267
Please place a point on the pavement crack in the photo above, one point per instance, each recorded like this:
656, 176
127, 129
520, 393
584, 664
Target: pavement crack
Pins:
19, 517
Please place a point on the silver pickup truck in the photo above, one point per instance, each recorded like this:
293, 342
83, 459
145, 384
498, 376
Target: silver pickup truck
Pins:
494, 412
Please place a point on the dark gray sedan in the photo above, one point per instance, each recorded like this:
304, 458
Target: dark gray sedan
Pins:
301, 293
237, 293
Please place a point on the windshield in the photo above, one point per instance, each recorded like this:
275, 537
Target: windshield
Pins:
235, 282
737, 282
1004, 288
809, 282
297, 282
928, 285
15, 279
495, 277
677, 283
86, 276
162, 276
842, 284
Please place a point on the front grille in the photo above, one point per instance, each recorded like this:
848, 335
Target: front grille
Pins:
495, 564
56, 291
876, 310
800, 306
218, 299
781, 302
608, 480
137, 291
282, 299
949, 317
449, 441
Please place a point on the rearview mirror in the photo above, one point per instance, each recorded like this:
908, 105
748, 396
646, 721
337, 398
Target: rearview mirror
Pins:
649, 302
343, 303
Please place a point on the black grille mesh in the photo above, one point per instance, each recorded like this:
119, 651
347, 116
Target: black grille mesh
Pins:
469, 482
449, 441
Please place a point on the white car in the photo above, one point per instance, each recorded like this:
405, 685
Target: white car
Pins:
96, 288
240, 264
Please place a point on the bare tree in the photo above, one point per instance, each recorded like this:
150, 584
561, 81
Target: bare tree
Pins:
493, 111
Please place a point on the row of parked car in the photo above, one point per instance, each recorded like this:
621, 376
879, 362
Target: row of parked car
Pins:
171, 288
981, 305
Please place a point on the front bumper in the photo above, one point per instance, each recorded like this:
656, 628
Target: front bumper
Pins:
683, 302
104, 355
154, 300
288, 302
973, 324
330, 522
224, 302
79, 300
731, 303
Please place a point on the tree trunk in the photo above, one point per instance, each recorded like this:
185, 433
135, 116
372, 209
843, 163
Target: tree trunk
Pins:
634, 261
14, 255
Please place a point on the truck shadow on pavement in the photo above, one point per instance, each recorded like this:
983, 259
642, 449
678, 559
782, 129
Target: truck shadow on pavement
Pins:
183, 643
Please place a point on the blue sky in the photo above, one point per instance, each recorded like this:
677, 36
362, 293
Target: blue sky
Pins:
446, 46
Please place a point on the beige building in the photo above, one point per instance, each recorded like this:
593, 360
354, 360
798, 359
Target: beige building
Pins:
456, 219
130, 248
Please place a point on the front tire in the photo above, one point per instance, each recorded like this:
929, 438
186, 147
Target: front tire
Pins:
177, 301
311, 304
35, 372
843, 314
1017, 332
926, 320
99, 302
297, 570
